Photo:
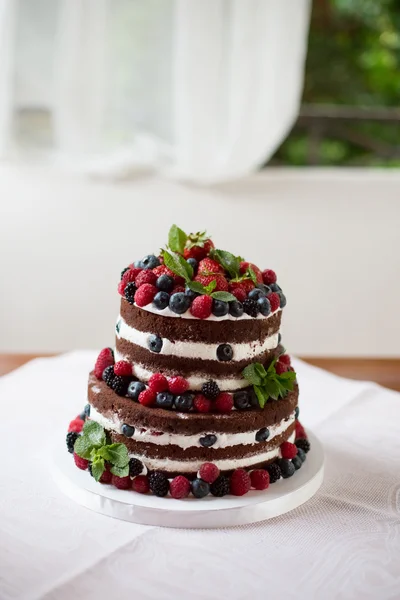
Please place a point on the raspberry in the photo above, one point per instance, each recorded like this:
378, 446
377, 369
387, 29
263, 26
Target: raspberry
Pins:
198, 251
177, 385
269, 276
274, 472
303, 444
239, 293
145, 294
179, 487
259, 479
178, 288
145, 277
121, 288
201, 307
81, 463
288, 450
208, 265
122, 483
210, 390
141, 484
202, 404
104, 359
208, 472
76, 425
221, 283
240, 482
285, 359
224, 402
159, 483
280, 368
220, 487
300, 431
128, 276
158, 382
134, 272
250, 307
71, 438
147, 397
106, 477
274, 301
244, 266
123, 368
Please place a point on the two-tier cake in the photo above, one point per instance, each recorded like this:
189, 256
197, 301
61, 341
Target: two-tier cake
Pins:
198, 396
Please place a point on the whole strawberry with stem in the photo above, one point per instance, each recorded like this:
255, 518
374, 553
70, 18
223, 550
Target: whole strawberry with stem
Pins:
198, 246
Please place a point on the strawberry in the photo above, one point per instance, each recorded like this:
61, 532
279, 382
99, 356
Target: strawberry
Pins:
244, 266
198, 246
177, 289
208, 265
239, 293
243, 284
222, 284
104, 359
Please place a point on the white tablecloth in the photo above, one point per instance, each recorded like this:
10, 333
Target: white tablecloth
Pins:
344, 543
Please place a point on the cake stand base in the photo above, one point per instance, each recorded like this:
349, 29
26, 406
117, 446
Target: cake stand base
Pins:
191, 513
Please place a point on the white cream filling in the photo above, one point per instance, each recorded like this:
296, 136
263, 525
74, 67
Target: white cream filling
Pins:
190, 466
186, 349
167, 312
224, 440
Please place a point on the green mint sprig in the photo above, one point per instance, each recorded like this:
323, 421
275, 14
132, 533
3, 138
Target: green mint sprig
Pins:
92, 446
228, 261
267, 383
177, 239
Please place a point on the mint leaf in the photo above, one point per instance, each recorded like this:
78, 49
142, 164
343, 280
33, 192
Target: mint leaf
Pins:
271, 387
252, 275
290, 375
98, 468
94, 433
250, 373
120, 471
197, 287
228, 261
260, 370
224, 296
262, 398
83, 447
178, 265
271, 368
117, 454
211, 286
177, 239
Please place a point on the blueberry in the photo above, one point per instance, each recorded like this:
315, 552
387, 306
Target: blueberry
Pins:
279, 338
301, 454
165, 283
127, 430
193, 263
296, 412
184, 402
134, 389
200, 488
264, 288
164, 400
82, 415
253, 399
264, 306
161, 300
275, 287
179, 303
191, 294
255, 294
224, 352
236, 308
150, 262
297, 462
208, 440
87, 410
138, 264
282, 299
286, 466
155, 343
220, 308
241, 400
118, 326
262, 434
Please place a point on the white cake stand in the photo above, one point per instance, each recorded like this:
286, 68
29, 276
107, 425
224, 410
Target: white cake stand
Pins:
191, 513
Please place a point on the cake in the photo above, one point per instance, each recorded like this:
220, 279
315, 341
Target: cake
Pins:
199, 396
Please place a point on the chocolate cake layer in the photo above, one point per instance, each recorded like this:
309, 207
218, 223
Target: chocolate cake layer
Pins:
106, 401
165, 363
198, 330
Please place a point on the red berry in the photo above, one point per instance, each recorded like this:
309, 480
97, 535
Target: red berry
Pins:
81, 463
134, 272
280, 368
269, 276
146, 277
141, 484
300, 431
177, 385
198, 252
104, 359
239, 294
246, 285
121, 288
122, 483
259, 479
244, 266
147, 397
208, 472
208, 265
240, 482
202, 404
221, 283
274, 301
76, 425
129, 276
158, 382
288, 450
177, 288
285, 359
201, 307
145, 294
123, 368
224, 402
106, 477
179, 487
163, 270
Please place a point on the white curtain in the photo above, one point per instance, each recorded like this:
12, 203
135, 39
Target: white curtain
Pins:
200, 90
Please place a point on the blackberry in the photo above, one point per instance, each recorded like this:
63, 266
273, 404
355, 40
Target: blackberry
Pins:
220, 487
124, 271
120, 385
274, 472
250, 307
135, 467
304, 444
71, 439
210, 390
159, 483
130, 291
108, 375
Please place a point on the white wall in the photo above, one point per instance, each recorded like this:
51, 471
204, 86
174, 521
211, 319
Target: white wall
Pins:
332, 236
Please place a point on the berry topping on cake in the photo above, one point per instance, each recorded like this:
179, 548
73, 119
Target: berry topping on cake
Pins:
239, 292
208, 266
240, 482
147, 397
224, 402
178, 385
241, 400
184, 402
220, 308
105, 477
76, 425
288, 450
210, 390
108, 375
236, 309
127, 430
280, 367
221, 284
141, 484
208, 472
286, 466
145, 277
304, 444
274, 472
179, 303
220, 487
201, 307
158, 382
208, 440
71, 438
301, 454
179, 487
130, 292
161, 300
155, 343
268, 276
165, 283
145, 294
122, 483
264, 306
200, 488
245, 268
123, 368
274, 301
262, 434
259, 479
250, 307
282, 299
135, 467
150, 262
201, 404
159, 483
224, 352
120, 385
300, 431
198, 246
128, 276
81, 463
104, 359
297, 462
285, 359
134, 389
165, 400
